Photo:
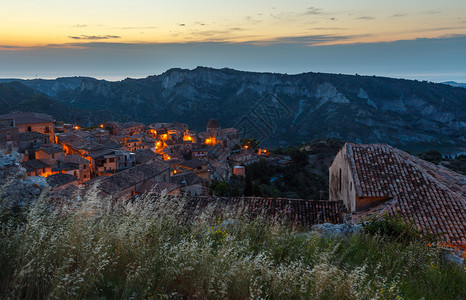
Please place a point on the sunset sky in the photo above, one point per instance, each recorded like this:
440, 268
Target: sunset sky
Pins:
422, 39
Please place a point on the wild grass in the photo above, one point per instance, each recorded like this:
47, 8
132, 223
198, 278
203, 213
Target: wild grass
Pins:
140, 250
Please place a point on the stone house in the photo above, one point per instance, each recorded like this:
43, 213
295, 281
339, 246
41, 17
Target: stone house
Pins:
31, 121
126, 184
200, 153
74, 165
36, 167
127, 129
197, 166
28, 142
61, 180
103, 162
50, 154
381, 179
189, 183
245, 158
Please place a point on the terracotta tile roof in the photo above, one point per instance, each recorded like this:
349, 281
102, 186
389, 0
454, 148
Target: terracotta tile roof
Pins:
430, 196
303, 213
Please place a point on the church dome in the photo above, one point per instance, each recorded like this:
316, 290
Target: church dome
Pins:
213, 124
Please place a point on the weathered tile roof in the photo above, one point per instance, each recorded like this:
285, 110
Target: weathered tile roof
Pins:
75, 159
300, 212
226, 131
186, 179
193, 163
51, 148
34, 164
145, 155
60, 179
430, 196
131, 177
28, 136
28, 117
102, 153
157, 187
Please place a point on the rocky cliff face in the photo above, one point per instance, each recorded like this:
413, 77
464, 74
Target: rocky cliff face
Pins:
16, 189
282, 109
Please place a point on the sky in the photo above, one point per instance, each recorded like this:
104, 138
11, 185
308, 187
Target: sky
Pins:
414, 39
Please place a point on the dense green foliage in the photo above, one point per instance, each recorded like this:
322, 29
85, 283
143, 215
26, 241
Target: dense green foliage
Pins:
142, 251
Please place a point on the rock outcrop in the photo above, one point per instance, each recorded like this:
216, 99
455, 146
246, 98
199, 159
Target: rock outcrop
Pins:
16, 188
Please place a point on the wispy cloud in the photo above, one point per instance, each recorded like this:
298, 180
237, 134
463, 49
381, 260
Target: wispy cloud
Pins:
94, 37
399, 15
215, 35
365, 18
309, 40
313, 11
137, 28
328, 28
80, 25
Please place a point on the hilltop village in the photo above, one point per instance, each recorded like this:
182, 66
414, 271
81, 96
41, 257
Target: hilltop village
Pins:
126, 158
122, 160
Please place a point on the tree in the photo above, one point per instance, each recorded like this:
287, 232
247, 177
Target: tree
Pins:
299, 157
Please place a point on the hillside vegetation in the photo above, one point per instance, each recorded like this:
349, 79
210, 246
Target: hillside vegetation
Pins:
140, 251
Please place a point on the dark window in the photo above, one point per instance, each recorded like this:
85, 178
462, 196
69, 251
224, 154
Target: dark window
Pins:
84, 167
85, 176
53, 155
111, 160
29, 129
75, 174
340, 180
43, 170
47, 129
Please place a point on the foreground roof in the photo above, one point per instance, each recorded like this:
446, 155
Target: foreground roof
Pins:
298, 212
432, 197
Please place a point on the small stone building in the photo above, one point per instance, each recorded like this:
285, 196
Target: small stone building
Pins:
126, 184
382, 179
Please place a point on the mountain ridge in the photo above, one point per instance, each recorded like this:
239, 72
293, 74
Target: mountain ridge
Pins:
280, 109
